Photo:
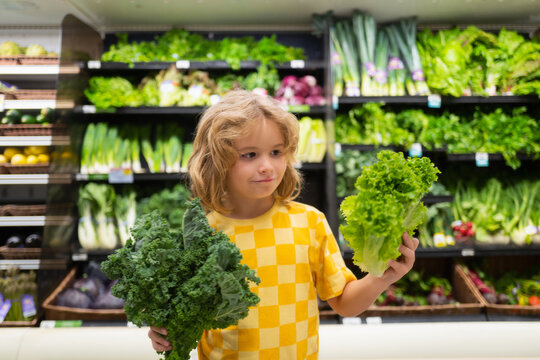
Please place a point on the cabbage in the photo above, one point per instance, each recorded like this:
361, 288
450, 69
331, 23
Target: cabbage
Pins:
387, 204
35, 50
9, 48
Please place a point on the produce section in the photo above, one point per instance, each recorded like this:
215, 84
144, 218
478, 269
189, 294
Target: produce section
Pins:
144, 98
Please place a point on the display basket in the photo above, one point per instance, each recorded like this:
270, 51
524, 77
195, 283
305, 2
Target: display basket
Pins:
23, 210
56, 312
35, 94
500, 309
30, 323
33, 129
28, 60
468, 302
27, 169
19, 253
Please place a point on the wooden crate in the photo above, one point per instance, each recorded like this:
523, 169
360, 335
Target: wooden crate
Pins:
468, 302
55, 312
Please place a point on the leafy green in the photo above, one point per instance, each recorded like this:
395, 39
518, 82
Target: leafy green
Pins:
112, 92
387, 204
187, 282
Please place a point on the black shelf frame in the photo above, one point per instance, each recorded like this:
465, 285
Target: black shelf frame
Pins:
445, 100
95, 66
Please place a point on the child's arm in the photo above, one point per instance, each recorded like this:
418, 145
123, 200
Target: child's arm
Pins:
358, 295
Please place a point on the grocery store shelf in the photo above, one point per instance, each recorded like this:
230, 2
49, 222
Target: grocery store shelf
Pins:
8, 221
37, 70
97, 66
465, 251
34, 140
25, 264
445, 100
34, 179
428, 199
37, 104
492, 157
179, 110
136, 177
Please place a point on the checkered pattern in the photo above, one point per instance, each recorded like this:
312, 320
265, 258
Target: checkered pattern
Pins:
296, 256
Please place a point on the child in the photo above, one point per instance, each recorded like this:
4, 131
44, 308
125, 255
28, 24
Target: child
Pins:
242, 169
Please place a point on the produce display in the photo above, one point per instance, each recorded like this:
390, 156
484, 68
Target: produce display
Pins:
475, 62
180, 44
172, 87
107, 215
389, 59
417, 289
91, 290
21, 239
186, 282
28, 155
18, 293
387, 204
506, 131
10, 48
312, 140
107, 147
512, 288
14, 116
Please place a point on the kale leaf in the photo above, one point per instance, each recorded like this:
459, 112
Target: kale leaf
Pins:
187, 282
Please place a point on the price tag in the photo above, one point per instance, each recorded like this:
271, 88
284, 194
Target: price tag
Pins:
182, 64
47, 324
94, 64
79, 256
298, 64
415, 150
81, 177
2, 102
337, 149
28, 306
467, 252
89, 109
352, 321
373, 320
439, 240
482, 159
67, 323
335, 102
120, 176
434, 101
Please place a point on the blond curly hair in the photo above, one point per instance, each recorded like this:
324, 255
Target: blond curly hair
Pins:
213, 152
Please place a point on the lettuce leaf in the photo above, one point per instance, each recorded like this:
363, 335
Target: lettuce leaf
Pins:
387, 204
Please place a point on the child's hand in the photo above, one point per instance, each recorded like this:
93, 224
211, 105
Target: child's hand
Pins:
159, 343
403, 264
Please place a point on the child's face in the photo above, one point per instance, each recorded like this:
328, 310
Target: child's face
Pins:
260, 166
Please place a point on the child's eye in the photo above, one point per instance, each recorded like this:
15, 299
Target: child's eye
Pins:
249, 155
276, 152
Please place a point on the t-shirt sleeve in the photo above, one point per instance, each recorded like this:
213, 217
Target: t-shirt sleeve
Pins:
329, 270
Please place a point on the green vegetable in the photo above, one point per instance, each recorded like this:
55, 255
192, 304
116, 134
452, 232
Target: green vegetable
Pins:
114, 92
186, 282
8, 48
387, 204
35, 50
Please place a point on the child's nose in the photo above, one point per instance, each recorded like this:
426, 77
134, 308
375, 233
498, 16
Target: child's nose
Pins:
265, 165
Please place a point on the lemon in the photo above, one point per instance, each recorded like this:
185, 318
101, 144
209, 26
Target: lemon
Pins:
10, 152
32, 159
43, 158
3, 159
36, 150
18, 159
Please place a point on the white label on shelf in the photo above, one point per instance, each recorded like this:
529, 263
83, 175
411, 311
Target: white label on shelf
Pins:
298, 64
467, 252
337, 149
434, 101
352, 321
47, 324
94, 64
79, 256
482, 159
183, 64
335, 102
89, 109
2, 104
120, 176
373, 320
415, 150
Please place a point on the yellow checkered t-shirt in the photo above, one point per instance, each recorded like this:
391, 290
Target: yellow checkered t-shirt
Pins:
293, 251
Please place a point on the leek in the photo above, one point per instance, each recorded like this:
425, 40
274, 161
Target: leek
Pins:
396, 71
365, 31
87, 147
186, 154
